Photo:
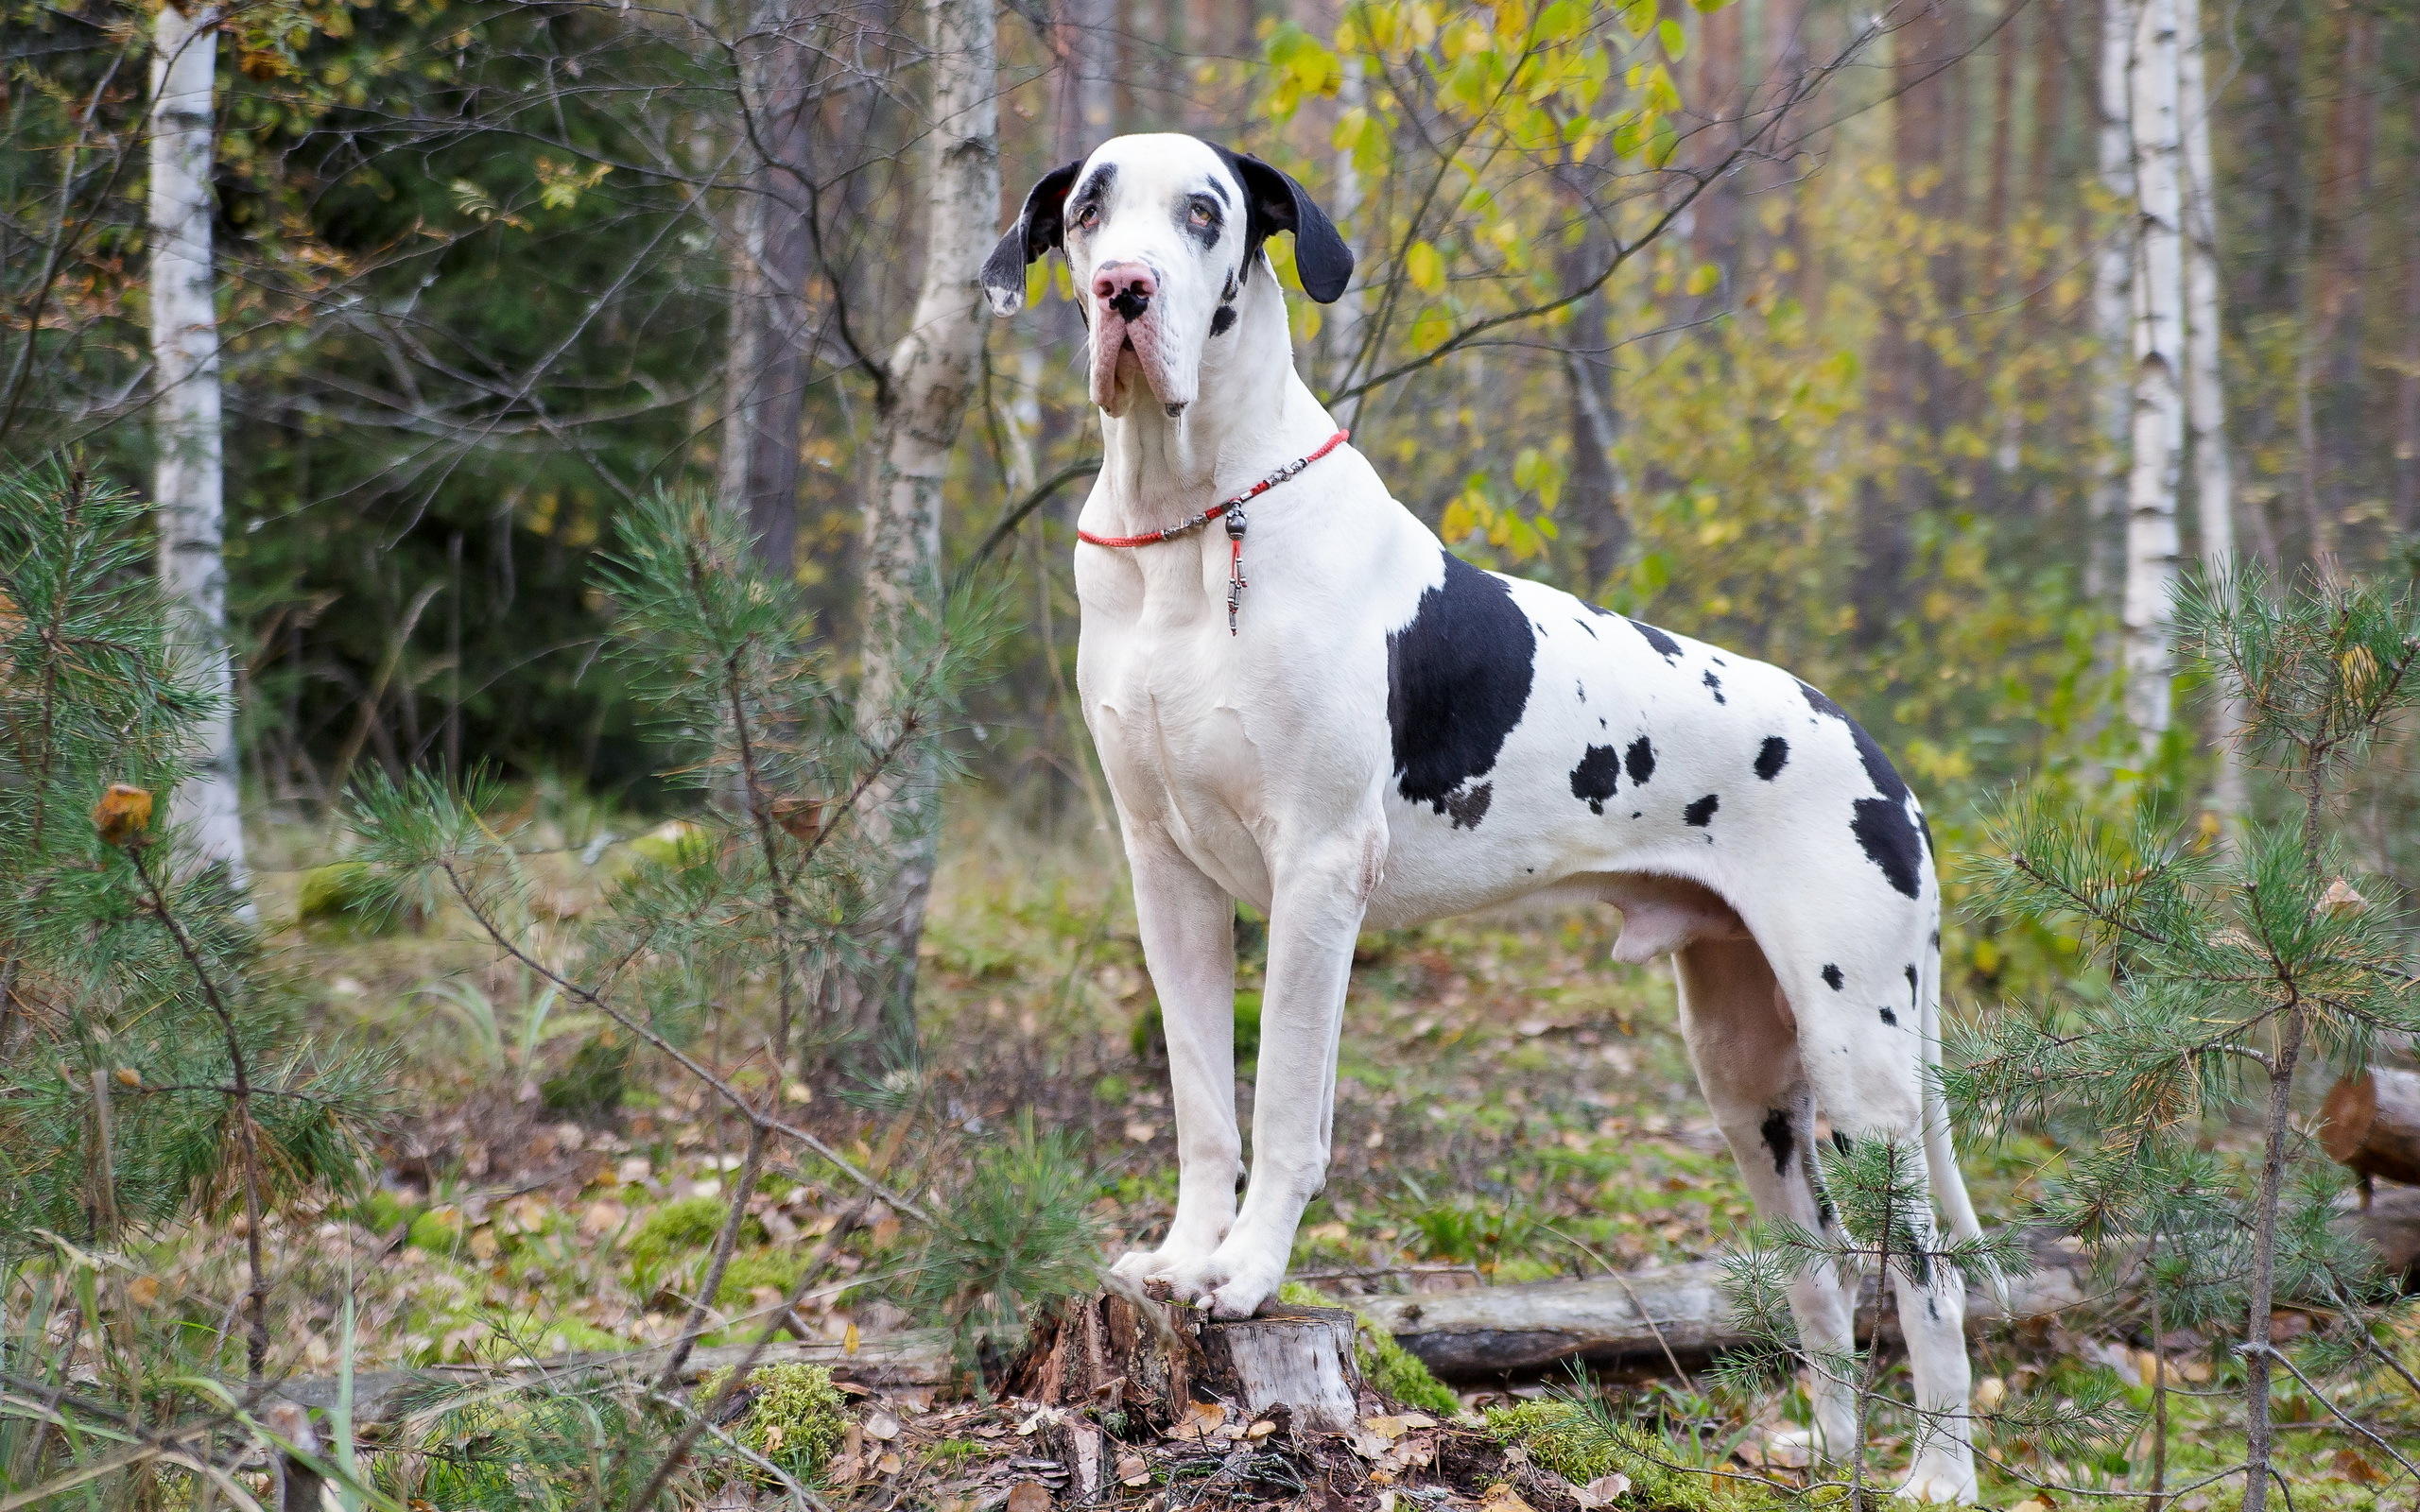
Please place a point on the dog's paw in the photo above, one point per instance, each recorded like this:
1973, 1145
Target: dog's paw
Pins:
1939, 1478
1246, 1291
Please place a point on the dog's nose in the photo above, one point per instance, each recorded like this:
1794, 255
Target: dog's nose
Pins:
1126, 288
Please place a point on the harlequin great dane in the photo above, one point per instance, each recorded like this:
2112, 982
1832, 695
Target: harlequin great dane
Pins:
1304, 701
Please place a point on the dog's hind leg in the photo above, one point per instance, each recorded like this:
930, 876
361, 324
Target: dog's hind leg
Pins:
1742, 1042
1863, 1020
1187, 924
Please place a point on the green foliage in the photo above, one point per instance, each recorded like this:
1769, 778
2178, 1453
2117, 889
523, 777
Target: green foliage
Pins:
1019, 1231
593, 1083
796, 1417
139, 995
683, 1227
2228, 972
536, 1451
345, 896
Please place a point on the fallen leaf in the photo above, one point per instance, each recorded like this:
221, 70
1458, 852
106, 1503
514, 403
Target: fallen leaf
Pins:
1502, 1498
1388, 1428
1199, 1421
1028, 1496
2355, 1467
888, 1463
143, 1291
1133, 1469
1603, 1490
882, 1425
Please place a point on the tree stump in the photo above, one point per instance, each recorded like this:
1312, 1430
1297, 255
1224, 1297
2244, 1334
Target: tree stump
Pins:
1121, 1352
2371, 1124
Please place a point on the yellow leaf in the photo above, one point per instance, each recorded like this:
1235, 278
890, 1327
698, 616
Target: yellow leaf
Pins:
123, 814
1703, 279
1424, 267
849, 1340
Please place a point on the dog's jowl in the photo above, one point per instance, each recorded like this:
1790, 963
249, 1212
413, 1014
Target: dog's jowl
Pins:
1378, 733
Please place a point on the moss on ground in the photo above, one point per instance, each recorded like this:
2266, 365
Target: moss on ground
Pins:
796, 1415
1567, 1439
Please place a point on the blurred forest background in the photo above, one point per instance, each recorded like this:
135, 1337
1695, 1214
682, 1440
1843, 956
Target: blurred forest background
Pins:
1861, 403
607, 573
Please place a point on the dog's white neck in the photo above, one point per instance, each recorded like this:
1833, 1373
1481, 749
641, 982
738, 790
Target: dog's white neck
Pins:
1252, 414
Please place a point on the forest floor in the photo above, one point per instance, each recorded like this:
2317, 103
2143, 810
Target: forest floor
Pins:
1510, 1107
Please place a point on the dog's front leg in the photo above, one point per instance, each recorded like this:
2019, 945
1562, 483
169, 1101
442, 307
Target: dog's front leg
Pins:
1188, 927
1313, 918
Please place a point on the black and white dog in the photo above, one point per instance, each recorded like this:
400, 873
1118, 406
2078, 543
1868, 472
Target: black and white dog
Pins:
1382, 734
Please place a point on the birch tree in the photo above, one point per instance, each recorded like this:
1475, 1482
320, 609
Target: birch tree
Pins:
188, 480
2155, 471
2112, 289
2205, 415
927, 385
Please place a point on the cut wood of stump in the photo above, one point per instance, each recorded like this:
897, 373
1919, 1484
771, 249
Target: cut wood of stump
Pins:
2371, 1124
1275, 1402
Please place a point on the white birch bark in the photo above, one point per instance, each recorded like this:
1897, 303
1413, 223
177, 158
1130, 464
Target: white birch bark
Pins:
2112, 293
188, 484
2206, 410
931, 379
2156, 470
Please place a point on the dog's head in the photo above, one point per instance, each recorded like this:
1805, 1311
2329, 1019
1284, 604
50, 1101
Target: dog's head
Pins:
1164, 234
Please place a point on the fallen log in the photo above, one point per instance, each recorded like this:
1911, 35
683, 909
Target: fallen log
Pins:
1488, 1332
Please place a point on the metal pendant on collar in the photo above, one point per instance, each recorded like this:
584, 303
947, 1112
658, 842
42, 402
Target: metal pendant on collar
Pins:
1231, 510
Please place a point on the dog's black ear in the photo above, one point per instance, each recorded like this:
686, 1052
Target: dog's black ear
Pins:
1277, 203
1041, 227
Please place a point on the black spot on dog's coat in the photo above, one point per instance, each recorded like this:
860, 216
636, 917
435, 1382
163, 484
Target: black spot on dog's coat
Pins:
1468, 806
1700, 812
1890, 842
1458, 679
1890, 1018
1666, 647
1779, 1138
1833, 979
1585, 625
1715, 685
1223, 320
1594, 780
1771, 757
1640, 761
1912, 988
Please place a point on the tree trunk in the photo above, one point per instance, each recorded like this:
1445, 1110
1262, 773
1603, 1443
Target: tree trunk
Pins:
764, 385
2113, 273
2158, 434
2343, 277
929, 382
188, 481
2206, 410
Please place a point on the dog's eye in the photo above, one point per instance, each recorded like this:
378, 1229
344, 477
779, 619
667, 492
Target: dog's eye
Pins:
1203, 215
1088, 218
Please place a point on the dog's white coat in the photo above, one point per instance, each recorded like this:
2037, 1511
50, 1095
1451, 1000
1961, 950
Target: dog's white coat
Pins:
1261, 766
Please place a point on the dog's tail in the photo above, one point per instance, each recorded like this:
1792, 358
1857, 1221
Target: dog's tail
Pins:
1941, 1153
